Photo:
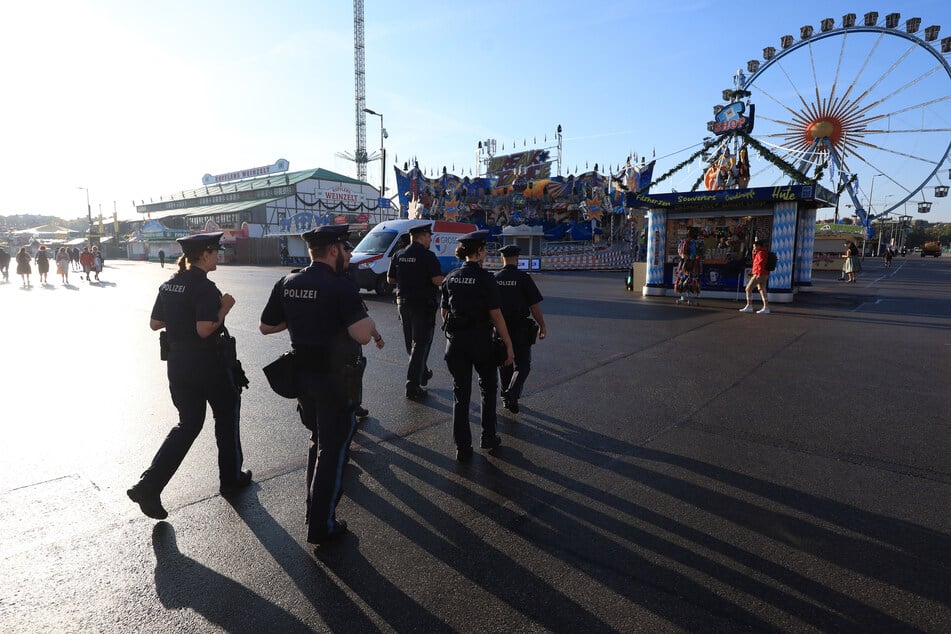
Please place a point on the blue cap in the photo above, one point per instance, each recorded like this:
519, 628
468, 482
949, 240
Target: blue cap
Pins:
475, 236
327, 234
201, 241
510, 250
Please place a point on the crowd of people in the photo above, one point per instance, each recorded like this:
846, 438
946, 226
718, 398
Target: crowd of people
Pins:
490, 322
67, 259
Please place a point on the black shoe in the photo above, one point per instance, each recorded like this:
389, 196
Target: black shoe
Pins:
361, 412
491, 442
244, 479
339, 529
415, 393
463, 454
150, 503
510, 404
428, 374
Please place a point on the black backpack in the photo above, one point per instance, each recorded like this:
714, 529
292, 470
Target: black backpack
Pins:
771, 261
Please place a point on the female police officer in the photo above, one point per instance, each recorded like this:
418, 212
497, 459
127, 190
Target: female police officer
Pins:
470, 309
200, 370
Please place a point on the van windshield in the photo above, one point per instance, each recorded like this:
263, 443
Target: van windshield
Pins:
375, 242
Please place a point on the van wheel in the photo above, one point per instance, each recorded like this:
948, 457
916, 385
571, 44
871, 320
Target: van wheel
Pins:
381, 287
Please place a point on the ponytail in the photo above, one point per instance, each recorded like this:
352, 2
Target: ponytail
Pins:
182, 263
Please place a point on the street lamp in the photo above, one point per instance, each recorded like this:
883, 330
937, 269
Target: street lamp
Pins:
383, 136
88, 215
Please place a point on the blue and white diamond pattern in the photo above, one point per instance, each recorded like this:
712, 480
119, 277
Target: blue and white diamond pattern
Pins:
806, 246
782, 244
656, 246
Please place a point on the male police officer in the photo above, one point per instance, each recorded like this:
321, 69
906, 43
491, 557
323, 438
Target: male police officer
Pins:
417, 274
519, 297
327, 322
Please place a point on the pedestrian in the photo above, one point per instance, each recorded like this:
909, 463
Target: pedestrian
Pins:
74, 259
86, 261
328, 323
62, 265
888, 257
24, 270
759, 279
42, 263
470, 309
851, 264
97, 261
202, 370
5, 264
417, 274
521, 301
161, 257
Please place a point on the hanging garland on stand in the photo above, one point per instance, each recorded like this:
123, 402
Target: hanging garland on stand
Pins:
706, 146
785, 167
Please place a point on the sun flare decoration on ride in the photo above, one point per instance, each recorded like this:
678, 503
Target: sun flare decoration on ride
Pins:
863, 107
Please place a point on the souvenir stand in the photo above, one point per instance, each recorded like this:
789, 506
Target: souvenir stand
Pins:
727, 221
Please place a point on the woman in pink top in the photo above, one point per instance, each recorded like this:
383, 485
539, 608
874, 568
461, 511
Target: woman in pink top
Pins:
759, 279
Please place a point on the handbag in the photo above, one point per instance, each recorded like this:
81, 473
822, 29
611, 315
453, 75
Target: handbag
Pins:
281, 375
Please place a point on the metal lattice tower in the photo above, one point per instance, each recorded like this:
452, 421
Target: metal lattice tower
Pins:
359, 85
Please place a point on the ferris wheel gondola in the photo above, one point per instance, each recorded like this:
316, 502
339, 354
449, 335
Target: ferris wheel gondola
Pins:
856, 102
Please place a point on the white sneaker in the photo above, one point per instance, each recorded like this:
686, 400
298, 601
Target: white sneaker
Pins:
746, 309
762, 311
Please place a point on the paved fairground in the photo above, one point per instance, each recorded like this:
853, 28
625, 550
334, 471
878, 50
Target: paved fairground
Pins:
673, 468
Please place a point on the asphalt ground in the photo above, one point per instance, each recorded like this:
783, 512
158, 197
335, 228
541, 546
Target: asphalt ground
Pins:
673, 468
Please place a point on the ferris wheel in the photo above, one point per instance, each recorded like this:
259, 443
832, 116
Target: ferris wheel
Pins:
864, 106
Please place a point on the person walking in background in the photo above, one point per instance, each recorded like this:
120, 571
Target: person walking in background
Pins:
43, 263
759, 279
202, 371
161, 257
85, 261
888, 257
74, 259
417, 274
97, 261
520, 300
5, 264
851, 265
62, 265
328, 323
470, 309
24, 270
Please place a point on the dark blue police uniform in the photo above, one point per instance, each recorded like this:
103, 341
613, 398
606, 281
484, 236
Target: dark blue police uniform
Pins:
518, 293
200, 373
414, 269
318, 304
468, 294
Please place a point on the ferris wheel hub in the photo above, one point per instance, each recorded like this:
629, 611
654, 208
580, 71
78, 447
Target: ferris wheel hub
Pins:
822, 129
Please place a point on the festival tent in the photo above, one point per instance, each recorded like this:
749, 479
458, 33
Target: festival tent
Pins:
46, 232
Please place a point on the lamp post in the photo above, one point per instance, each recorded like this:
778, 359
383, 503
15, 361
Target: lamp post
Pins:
382, 152
88, 216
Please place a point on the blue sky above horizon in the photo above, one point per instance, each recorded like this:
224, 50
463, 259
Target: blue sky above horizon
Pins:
135, 100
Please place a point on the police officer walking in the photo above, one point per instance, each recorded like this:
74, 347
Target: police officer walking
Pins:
520, 297
328, 323
470, 310
202, 370
417, 274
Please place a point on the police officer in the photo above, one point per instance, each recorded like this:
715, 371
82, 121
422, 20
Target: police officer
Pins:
201, 372
328, 323
470, 310
417, 274
520, 297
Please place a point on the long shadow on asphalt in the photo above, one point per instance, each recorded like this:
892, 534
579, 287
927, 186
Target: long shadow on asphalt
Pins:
487, 566
898, 553
336, 609
182, 582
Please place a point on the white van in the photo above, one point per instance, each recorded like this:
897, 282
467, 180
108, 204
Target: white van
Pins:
371, 258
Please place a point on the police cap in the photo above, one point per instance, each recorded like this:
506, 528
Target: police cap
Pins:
200, 242
426, 228
326, 235
510, 250
475, 237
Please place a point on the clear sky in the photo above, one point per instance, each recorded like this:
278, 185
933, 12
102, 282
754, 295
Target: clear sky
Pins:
135, 100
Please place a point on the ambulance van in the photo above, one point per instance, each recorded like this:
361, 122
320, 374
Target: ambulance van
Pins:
371, 258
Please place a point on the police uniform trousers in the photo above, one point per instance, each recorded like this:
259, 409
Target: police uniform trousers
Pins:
513, 376
465, 350
327, 412
196, 379
419, 322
